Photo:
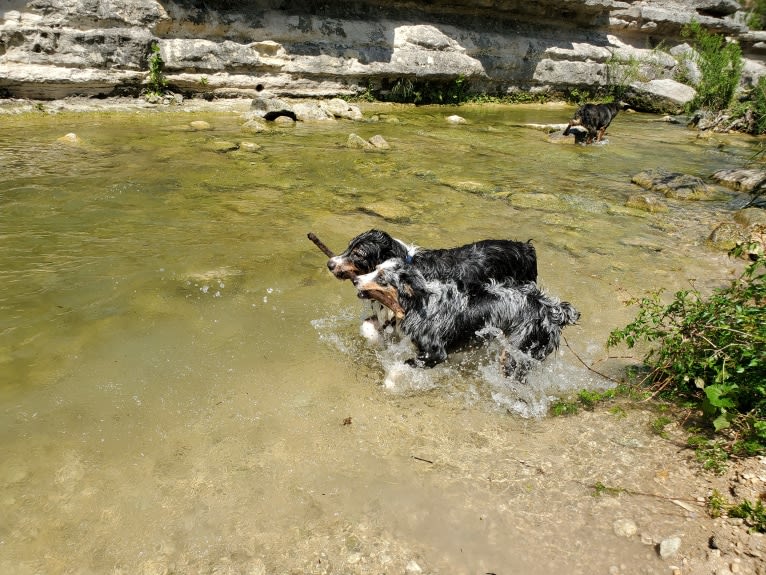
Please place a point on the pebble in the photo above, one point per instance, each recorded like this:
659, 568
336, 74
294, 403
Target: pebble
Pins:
625, 527
412, 568
455, 119
669, 547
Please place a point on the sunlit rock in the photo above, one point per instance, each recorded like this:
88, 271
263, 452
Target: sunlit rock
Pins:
70, 138
646, 203
676, 185
356, 141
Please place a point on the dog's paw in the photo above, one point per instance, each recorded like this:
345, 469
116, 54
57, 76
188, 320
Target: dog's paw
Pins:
370, 330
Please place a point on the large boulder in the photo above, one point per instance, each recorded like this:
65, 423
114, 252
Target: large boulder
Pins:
664, 96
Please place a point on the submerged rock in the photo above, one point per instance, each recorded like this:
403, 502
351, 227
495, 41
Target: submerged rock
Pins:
646, 203
71, 138
356, 141
675, 185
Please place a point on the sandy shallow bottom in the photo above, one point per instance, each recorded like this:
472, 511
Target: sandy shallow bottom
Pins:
394, 475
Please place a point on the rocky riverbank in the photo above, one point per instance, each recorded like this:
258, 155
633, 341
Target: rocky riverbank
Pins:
51, 49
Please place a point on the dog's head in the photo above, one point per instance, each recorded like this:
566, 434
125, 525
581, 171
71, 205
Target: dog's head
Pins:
565, 314
363, 253
395, 284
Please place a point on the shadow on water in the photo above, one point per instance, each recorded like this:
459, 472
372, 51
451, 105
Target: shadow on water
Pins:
184, 388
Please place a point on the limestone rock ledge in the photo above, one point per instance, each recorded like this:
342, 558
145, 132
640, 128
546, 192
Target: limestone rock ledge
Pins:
56, 48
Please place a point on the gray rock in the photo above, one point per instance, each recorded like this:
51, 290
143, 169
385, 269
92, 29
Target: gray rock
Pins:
379, 142
646, 203
675, 185
663, 96
669, 547
744, 179
356, 141
57, 48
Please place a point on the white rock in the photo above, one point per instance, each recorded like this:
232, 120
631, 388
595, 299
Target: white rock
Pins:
669, 547
625, 528
455, 119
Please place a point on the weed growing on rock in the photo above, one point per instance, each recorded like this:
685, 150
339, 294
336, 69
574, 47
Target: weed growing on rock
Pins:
157, 81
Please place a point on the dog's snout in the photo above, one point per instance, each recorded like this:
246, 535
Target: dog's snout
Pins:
331, 264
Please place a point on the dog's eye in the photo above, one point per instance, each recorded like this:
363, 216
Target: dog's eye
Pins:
358, 252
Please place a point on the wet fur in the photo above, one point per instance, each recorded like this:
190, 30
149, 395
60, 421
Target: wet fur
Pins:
595, 118
439, 316
470, 266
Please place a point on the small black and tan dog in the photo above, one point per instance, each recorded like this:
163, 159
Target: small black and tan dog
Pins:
595, 118
438, 316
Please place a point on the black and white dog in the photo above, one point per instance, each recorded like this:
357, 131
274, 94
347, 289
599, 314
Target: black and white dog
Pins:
439, 316
595, 118
469, 266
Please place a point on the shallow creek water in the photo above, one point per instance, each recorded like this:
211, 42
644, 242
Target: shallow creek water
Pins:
176, 363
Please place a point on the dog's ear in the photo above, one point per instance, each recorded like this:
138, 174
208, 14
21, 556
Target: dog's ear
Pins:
570, 315
412, 284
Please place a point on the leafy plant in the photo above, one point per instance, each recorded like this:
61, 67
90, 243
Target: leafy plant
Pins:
711, 454
711, 350
157, 81
716, 504
753, 514
408, 91
561, 408
719, 62
659, 425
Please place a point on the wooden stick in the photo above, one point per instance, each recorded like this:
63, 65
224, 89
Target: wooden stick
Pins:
325, 250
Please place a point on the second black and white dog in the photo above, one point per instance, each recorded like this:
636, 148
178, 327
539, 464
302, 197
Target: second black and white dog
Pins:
438, 316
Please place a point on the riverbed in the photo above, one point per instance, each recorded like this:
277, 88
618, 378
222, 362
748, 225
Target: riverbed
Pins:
184, 388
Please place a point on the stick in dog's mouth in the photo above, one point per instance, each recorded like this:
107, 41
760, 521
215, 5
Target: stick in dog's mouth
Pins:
384, 298
318, 243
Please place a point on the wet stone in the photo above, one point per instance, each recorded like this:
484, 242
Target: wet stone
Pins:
456, 120
221, 146
356, 141
675, 185
379, 142
646, 203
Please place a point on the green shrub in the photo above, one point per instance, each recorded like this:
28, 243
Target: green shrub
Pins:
758, 106
720, 64
157, 81
408, 91
711, 351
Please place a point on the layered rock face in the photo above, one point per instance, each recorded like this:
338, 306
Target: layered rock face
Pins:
56, 48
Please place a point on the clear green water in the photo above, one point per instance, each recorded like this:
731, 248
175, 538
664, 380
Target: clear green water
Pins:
176, 363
